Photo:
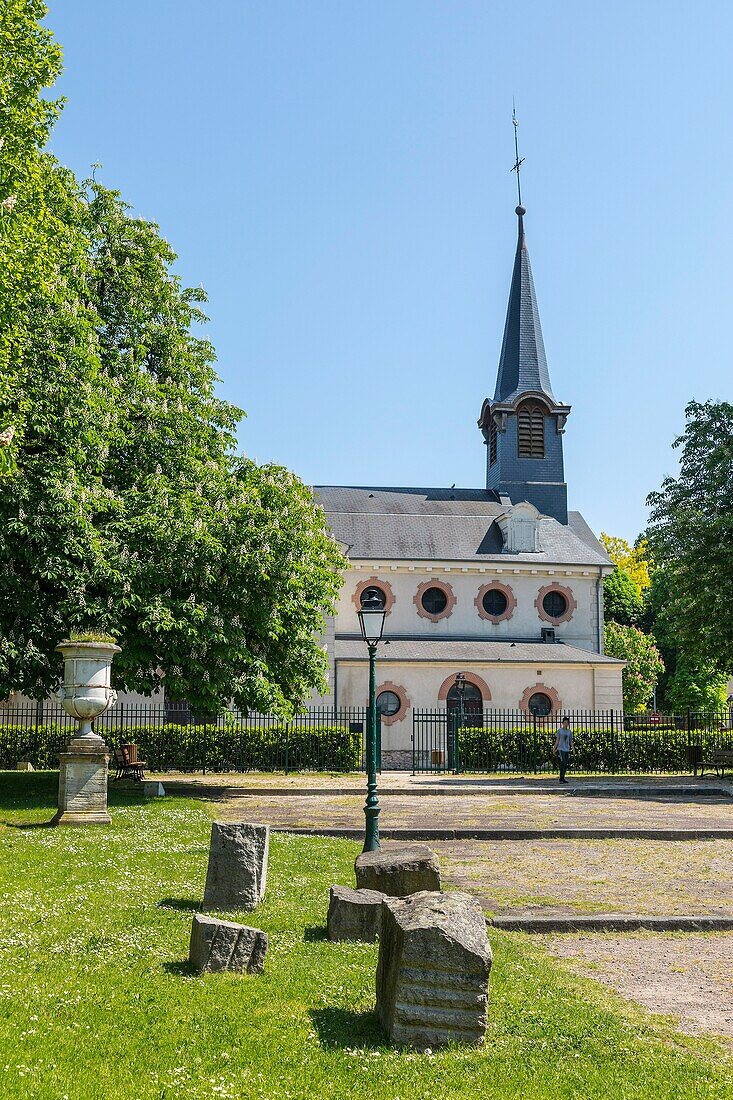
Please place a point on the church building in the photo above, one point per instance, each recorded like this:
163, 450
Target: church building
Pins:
502, 584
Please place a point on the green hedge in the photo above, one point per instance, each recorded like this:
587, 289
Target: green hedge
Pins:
194, 747
594, 749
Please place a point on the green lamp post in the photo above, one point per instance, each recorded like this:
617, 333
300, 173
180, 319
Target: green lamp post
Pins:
371, 620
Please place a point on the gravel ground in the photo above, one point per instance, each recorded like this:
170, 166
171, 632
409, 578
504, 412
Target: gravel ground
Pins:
490, 811
686, 976
566, 877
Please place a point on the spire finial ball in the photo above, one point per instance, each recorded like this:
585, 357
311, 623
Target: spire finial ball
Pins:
520, 210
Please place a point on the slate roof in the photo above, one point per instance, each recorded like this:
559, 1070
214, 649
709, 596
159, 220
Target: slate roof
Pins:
421, 524
484, 652
522, 364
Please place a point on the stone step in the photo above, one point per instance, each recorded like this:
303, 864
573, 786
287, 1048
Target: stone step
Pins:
549, 833
613, 922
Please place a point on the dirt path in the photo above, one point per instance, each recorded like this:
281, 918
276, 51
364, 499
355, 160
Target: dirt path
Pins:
685, 976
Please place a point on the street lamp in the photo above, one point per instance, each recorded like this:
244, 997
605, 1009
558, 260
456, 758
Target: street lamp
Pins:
460, 691
371, 620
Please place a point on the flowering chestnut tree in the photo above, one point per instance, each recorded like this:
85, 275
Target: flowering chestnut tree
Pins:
124, 506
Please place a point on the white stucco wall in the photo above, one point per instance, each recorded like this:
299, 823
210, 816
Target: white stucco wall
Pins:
525, 582
580, 688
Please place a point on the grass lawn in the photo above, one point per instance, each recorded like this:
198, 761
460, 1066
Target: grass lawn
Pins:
96, 998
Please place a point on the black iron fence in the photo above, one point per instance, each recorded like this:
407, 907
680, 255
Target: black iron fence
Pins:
334, 739
319, 739
611, 742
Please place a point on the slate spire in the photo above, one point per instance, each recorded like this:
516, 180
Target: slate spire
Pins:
523, 424
522, 364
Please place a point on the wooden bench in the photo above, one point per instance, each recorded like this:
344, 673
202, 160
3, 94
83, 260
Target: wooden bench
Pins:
125, 760
720, 759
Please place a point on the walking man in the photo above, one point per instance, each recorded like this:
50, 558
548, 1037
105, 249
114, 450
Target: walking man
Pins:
563, 746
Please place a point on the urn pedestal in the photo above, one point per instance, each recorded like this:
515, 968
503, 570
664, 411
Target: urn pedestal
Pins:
83, 768
82, 788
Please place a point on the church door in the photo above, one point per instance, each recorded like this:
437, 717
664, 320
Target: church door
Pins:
473, 708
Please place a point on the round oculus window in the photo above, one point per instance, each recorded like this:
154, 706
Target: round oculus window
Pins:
555, 604
434, 601
540, 704
373, 593
494, 602
388, 703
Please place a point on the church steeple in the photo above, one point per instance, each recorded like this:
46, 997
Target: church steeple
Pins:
522, 364
524, 422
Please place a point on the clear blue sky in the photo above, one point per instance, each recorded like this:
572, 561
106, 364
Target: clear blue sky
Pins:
337, 175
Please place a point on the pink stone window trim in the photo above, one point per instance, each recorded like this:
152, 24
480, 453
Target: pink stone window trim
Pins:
548, 691
399, 691
471, 678
569, 597
446, 589
375, 582
511, 602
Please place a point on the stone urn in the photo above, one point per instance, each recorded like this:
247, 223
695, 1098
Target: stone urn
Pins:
85, 694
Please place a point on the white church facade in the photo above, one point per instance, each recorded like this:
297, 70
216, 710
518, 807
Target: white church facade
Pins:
502, 584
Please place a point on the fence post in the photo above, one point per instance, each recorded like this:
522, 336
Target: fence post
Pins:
614, 760
287, 729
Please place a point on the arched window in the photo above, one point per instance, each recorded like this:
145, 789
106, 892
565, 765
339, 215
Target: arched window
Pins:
531, 430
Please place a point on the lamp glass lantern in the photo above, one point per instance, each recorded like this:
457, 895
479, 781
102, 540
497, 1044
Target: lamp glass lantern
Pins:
372, 614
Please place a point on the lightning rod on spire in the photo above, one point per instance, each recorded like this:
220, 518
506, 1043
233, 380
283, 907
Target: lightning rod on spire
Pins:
517, 161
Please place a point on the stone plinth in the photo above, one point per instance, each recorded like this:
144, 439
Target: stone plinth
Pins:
237, 873
354, 914
433, 970
398, 872
223, 945
82, 788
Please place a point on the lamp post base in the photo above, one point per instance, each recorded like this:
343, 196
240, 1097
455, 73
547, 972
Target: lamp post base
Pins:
371, 832
83, 789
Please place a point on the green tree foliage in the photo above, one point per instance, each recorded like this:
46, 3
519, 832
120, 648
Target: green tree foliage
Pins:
696, 689
128, 510
634, 560
684, 684
644, 663
622, 600
691, 536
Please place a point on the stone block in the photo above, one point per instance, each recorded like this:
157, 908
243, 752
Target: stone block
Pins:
433, 970
153, 788
398, 872
237, 873
24, 766
354, 914
223, 945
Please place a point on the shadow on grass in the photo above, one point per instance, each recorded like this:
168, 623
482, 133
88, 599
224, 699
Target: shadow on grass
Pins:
182, 968
186, 905
341, 1028
314, 933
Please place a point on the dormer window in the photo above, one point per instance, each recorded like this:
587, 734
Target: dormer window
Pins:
493, 443
520, 529
531, 430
